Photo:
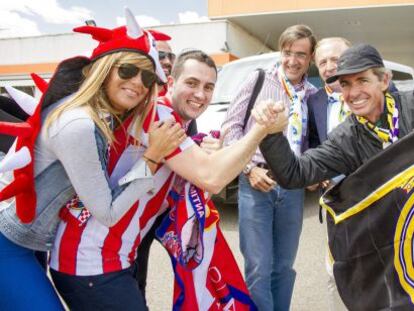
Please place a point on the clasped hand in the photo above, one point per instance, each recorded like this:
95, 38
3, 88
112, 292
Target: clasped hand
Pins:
271, 115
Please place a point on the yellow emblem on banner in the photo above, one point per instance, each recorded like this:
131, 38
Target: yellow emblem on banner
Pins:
408, 186
403, 247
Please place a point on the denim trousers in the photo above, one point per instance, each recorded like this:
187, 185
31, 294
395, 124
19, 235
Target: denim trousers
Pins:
23, 282
110, 291
270, 224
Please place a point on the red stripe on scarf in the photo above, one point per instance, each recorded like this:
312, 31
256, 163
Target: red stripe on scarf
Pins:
190, 298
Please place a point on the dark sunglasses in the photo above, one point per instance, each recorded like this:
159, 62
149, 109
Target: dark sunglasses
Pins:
128, 71
162, 55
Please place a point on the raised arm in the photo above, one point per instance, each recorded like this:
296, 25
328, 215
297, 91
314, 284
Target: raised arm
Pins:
315, 165
213, 171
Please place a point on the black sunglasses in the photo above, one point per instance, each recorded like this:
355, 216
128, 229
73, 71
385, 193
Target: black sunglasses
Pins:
162, 55
128, 71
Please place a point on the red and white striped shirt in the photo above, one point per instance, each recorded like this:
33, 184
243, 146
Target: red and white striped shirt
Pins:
91, 248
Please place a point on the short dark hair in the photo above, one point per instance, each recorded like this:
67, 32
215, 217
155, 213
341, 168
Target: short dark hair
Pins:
197, 55
294, 33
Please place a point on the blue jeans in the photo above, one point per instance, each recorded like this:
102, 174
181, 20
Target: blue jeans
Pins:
23, 282
110, 291
270, 225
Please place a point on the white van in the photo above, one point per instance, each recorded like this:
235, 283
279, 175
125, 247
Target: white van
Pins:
232, 75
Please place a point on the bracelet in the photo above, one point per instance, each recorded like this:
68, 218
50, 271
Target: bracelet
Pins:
150, 160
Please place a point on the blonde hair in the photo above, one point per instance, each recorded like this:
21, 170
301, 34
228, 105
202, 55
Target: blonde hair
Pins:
333, 39
91, 94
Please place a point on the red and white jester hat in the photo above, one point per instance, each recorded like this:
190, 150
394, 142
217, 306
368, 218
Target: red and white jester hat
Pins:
19, 158
159, 36
126, 38
66, 80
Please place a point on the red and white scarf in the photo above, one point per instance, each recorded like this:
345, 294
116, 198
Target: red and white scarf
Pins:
193, 238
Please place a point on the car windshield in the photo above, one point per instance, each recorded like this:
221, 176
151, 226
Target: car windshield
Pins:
232, 76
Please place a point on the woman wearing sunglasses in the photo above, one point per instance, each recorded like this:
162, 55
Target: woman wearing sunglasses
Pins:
85, 101
101, 136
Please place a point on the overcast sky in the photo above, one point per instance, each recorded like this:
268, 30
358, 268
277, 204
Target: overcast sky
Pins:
35, 17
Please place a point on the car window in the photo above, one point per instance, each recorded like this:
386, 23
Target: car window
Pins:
232, 75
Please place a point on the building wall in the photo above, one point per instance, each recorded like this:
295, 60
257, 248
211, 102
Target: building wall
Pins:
209, 37
19, 57
225, 8
214, 38
43, 49
241, 43
40, 54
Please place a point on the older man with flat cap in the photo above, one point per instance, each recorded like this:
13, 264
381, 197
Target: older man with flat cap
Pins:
378, 119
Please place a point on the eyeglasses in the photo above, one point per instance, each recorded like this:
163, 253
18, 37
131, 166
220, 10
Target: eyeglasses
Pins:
298, 55
162, 55
128, 71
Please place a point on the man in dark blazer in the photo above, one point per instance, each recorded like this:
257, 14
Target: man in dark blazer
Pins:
326, 107
322, 119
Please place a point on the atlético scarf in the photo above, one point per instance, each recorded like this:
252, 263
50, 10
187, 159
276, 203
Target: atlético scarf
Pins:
206, 274
390, 135
297, 112
370, 231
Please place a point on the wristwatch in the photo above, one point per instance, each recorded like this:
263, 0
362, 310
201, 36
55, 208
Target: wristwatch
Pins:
247, 169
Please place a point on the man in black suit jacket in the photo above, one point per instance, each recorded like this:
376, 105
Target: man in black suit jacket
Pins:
326, 110
326, 107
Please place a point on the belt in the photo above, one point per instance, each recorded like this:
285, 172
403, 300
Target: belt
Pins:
263, 165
